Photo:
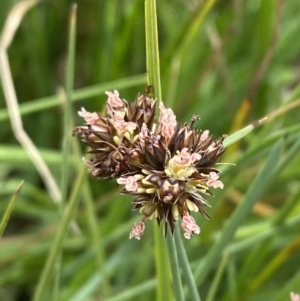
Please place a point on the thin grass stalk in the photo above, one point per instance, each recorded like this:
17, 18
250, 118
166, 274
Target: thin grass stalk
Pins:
135, 291
12, 23
9, 209
59, 238
56, 275
152, 53
177, 284
173, 80
96, 242
291, 285
68, 106
186, 269
231, 279
242, 133
258, 186
211, 296
238, 247
274, 265
67, 126
153, 71
188, 32
289, 205
293, 151
45, 103
195, 25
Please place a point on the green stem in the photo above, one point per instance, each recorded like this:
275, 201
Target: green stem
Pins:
217, 279
175, 268
58, 239
97, 241
152, 53
186, 269
9, 209
164, 291
254, 192
45, 103
67, 126
163, 288
68, 106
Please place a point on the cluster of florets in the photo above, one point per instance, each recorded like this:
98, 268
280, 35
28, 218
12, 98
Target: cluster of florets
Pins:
168, 168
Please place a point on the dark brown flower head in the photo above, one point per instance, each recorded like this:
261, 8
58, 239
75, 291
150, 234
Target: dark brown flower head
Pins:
168, 168
111, 138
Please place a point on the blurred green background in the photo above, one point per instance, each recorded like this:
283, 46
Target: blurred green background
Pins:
231, 62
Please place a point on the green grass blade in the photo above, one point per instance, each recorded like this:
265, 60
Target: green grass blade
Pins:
185, 266
256, 189
152, 59
66, 143
195, 26
11, 154
211, 295
177, 284
189, 31
241, 133
135, 291
68, 122
9, 209
291, 286
58, 239
152, 54
77, 95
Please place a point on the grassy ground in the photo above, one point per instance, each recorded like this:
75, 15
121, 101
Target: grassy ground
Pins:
232, 63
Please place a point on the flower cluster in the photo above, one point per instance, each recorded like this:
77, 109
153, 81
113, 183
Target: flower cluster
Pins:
167, 167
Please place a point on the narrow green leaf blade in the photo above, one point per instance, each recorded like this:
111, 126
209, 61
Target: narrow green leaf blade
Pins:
9, 209
257, 188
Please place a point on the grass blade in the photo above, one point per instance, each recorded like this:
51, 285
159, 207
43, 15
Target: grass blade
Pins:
153, 68
177, 285
242, 133
77, 95
58, 239
256, 189
186, 269
9, 209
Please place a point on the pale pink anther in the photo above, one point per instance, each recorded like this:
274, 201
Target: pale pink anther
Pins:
137, 230
167, 120
189, 226
124, 126
212, 147
143, 133
204, 135
118, 116
213, 181
167, 131
120, 124
90, 118
129, 182
185, 158
195, 157
113, 99
294, 297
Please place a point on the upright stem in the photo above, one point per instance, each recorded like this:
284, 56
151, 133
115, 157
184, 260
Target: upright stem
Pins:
164, 291
152, 52
177, 284
186, 269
